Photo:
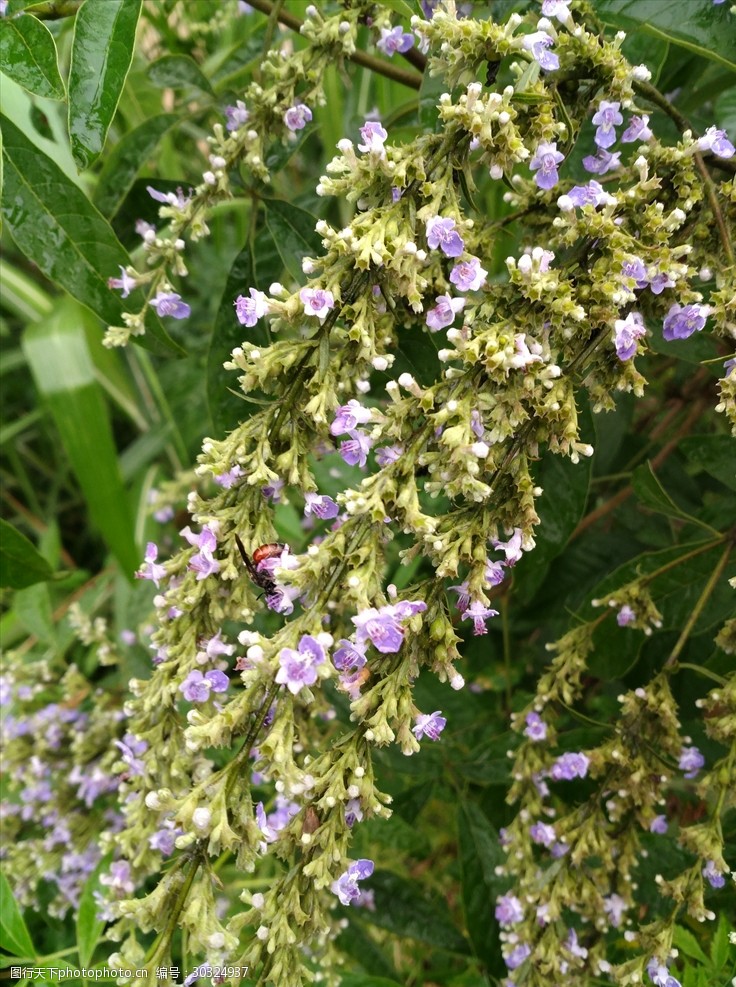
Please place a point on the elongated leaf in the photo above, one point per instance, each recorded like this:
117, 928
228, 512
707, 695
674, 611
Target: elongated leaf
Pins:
57, 353
89, 927
102, 50
57, 227
480, 852
20, 563
178, 71
28, 55
688, 944
33, 607
252, 268
14, 936
715, 454
652, 494
293, 232
127, 158
700, 27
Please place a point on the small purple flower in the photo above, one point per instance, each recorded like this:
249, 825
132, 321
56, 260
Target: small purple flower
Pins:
353, 812
508, 910
495, 574
545, 161
717, 142
429, 725
382, 627
511, 548
164, 840
571, 943
229, 478
659, 282
602, 163
568, 766
354, 450
374, 137
441, 233
543, 833
626, 332
517, 956
272, 491
299, 667
346, 886
479, 615
169, 303
444, 312
317, 302
556, 8
176, 199
637, 130
463, 595
591, 194
195, 688
606, 119
250, 310
714, 877
125, 283
394, 39
634, 268
236, 115
349, 416
538, 44
151, 570
321, 506
385, 455
691, 761
682, 321
536, 728
297, 117
626, 615
658, 825
468, 275
348, 656
660, 975
130, 748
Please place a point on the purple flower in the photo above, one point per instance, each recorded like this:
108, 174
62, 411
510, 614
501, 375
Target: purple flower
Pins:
602, 163
538, 43
572, 944
229, 478
682, 321
468, 275
272, 491
556, 8
374, 137
691, 761
714, 877
151, 570
174, 199
348, 656
130, 747
169, 303
297, 117
355, 450
203, 563
508, 910
544, 162
660, 975
317, 302
615, 907
637, 130
659, 282
429, 725
393, 40
321, 506
250, 310
353, 812
543, 833
626, 615
196, 687
658, 825
463, 595
164, 840
348, 417
236, 115
346, 886
511, 548
444, 312
124, 283
441, 233
299, 667
479, 615
634, 268
568, 766
382, 627
626, 332
717, 142
517, 955
606, 119
385, 455
536, 728
119, 877
591, 194
495, 574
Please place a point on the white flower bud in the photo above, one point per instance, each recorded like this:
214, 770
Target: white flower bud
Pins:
153, 801
201, 819
262, 933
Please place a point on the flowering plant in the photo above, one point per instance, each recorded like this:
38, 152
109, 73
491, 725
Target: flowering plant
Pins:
435, 640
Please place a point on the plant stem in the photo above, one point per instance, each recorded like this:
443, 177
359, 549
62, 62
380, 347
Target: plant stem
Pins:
699, 606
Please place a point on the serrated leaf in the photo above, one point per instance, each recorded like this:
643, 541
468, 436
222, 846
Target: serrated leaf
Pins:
702, 28
89, 927
688, 944
57, 353
176, 72
56, 226
102, 50
20, 563
719, 947
480, 853
293, 233
28, 55
126, 159
14, 935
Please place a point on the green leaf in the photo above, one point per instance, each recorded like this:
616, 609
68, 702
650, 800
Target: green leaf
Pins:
89, 927
28, 55
480, 853
56, 226
404, 909
719, 947
20, 563
355, 942
14, 936
57, 353
652, 494
252, 268
125, 161
714, 454
102, 50
702, 28
32, 606
176, 72
688, 944
293, 232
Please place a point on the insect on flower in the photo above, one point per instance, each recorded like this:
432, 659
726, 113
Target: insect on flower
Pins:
263, 579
